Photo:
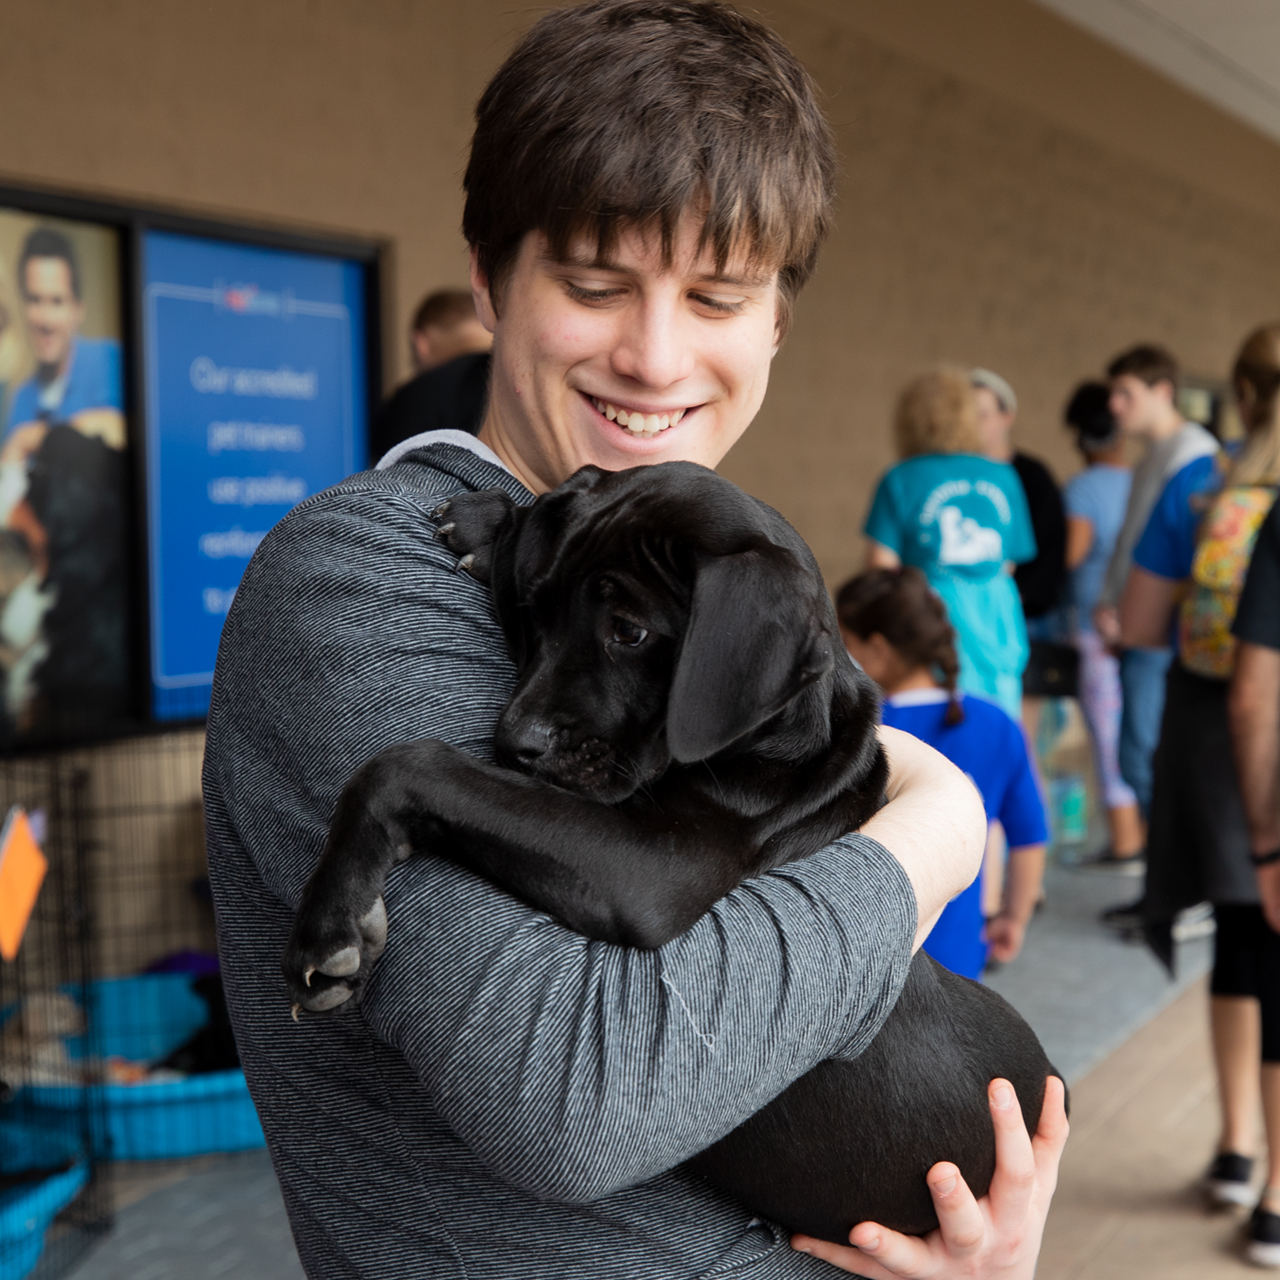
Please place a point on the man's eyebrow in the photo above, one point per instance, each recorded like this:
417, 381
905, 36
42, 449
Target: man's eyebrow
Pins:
597, 262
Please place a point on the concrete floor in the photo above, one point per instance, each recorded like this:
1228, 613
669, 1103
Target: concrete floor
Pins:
1143, 1127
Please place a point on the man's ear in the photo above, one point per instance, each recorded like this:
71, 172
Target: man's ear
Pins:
754, 642
486, 311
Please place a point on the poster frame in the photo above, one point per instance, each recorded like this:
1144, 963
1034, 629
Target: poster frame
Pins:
132, 221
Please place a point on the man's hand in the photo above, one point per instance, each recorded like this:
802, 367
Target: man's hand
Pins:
106, 425
995, 1238
1106, 621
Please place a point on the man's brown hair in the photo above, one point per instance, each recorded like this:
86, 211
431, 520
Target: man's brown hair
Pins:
622, 114
1148, 362
444, 309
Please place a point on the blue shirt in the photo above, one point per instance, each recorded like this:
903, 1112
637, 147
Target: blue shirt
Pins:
1168, 543
92, 382
959, 517
992, 749
1099, 494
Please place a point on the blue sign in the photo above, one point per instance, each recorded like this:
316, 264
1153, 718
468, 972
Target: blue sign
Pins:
255, 398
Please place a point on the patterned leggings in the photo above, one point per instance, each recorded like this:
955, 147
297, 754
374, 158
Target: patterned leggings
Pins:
1100, 699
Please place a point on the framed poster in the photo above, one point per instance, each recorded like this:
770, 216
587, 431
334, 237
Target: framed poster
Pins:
66, 563
256, 397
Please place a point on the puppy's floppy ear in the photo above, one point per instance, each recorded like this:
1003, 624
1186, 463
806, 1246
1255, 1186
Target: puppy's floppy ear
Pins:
754, 641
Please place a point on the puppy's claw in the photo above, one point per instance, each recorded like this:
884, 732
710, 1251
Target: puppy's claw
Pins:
464, 565
445, 530
342, 964
441, 509
297, 1009
306, 977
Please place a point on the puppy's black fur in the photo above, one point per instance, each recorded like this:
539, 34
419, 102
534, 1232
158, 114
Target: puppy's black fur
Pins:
684, 718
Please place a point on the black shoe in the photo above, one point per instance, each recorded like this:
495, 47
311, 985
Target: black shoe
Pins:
1227, 1182
1128, 915
1264, 1238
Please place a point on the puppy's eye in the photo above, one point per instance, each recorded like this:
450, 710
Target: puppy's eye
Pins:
627, 632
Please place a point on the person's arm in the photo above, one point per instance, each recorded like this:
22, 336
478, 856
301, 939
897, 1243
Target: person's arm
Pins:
932, 806
1080, 535
1024, 878
1254, 710
881, 557
1146, 609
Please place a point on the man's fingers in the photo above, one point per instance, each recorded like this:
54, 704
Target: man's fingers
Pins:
1051, 1134
879, 1254
1015, 1176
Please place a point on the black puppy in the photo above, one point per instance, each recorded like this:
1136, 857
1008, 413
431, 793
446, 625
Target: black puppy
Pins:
685, 718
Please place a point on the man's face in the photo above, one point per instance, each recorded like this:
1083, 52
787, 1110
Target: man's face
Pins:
625, 361
52, 310
994, 424
1137, 407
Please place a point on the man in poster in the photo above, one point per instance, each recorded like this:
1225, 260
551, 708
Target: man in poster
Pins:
77, 379
62, 485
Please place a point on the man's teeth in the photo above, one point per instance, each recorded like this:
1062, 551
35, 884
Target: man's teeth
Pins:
639, 424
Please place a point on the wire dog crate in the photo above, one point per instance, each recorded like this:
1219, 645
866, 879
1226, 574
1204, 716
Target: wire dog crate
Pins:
115, 999
51, 1188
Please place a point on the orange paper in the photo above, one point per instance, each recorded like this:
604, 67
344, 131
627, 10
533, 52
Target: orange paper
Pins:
22, 869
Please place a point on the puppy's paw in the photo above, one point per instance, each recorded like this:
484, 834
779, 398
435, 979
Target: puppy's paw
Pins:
469, 526
331, 951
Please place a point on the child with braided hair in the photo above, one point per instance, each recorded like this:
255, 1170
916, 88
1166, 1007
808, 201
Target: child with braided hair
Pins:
895, 627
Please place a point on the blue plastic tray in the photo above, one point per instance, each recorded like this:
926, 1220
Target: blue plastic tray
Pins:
26, 1212
143, 1019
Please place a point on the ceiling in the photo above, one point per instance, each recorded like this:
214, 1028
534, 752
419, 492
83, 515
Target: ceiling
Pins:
1228, 51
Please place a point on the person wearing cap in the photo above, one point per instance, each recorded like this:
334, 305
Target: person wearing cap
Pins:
1039, 580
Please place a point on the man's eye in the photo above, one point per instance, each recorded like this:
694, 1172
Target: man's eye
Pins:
627, 632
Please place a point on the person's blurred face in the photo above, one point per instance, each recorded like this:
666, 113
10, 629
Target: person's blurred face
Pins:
1137, 407
994, 424
877, 657
626, 360
52, 310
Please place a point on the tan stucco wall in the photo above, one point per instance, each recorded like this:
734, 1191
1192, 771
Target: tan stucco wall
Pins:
1014, 192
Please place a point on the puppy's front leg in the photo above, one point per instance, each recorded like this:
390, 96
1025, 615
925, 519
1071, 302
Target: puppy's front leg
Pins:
595, 868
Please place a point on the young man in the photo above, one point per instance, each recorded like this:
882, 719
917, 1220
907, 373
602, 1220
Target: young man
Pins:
1144, 390
647, 187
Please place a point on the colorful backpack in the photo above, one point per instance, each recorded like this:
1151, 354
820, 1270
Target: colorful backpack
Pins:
1223, 549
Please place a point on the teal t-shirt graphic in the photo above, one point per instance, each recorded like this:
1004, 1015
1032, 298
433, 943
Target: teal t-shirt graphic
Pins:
960, 518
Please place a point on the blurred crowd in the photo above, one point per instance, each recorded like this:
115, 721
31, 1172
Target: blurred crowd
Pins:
1147, 587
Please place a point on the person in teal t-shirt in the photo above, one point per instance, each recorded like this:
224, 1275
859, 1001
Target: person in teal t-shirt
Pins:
962, 519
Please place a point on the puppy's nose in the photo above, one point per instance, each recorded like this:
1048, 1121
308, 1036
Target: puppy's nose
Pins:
526, 741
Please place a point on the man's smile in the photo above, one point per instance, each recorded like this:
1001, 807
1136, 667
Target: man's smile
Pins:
638, 420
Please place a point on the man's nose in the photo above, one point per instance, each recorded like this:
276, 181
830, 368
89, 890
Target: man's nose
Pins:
654, 349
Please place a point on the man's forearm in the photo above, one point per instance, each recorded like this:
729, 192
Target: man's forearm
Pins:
1254, 709
934, 824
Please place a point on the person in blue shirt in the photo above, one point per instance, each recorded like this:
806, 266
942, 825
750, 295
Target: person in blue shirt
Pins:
1096, 500
895, 626
962, 519
77, 380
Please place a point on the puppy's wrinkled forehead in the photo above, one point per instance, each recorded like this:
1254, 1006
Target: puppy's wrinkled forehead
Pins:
647, 520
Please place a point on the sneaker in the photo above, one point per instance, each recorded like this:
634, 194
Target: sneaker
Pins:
1195, 922
1264, 1238
1227, 1182
1128, 915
